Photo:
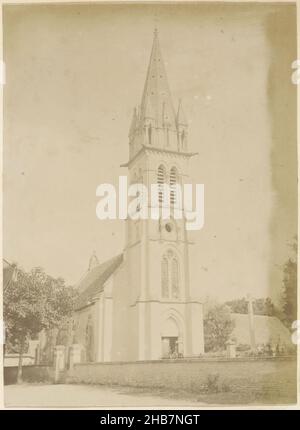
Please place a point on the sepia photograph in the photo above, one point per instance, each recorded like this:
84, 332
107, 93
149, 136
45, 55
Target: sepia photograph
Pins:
150, 205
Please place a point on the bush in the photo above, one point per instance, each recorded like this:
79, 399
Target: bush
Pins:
212, 383
241, 347
218, 326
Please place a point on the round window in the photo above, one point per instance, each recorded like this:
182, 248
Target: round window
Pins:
169, 227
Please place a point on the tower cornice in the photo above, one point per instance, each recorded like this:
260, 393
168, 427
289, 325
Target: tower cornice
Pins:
148, 148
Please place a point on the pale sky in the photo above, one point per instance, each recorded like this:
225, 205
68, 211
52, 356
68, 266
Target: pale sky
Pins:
73, 76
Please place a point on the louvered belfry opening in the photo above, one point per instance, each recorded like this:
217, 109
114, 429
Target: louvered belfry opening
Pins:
173, 182
161, 174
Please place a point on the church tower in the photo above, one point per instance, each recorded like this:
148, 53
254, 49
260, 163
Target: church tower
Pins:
165, 320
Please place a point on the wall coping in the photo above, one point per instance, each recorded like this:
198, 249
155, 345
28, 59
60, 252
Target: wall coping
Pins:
31, 365
193, 360
16, 355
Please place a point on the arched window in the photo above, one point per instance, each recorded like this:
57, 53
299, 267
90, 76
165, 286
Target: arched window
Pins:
182, 139
89, 339
161, 174
140, 175
170, 276
164, 278
173, 182
134, 177
150, 134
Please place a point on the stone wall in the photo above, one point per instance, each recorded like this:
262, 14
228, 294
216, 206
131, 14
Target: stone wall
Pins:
30, 374
257, 375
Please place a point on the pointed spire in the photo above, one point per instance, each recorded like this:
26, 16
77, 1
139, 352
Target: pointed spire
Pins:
94, 262
180, 118
156, 100
148, 111
133, 123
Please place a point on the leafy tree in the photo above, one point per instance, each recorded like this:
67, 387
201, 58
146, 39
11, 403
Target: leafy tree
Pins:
269, 307
218, 327
32, 302
263, 306
238, 306
289, 292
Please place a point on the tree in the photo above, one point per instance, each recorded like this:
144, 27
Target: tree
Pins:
218, 327
32, 302
263, 306
269, 307
289, 292
238, 306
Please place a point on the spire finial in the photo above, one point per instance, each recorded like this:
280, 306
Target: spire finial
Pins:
181, 119
155, 24
94, 262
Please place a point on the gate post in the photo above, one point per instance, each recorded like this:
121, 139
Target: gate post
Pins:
59, 361
231, 349
75, 355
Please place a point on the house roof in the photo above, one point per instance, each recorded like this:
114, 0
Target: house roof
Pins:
8, 272
93, 282
267, 330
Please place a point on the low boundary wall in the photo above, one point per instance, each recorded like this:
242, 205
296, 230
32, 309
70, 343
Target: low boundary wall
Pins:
257, 375
36, 373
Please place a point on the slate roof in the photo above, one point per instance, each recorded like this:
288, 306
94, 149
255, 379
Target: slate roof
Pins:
93, 282
267, 329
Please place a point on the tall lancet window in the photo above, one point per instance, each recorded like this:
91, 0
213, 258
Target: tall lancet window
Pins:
161, 174
165, 278
182, 138
175, 278
150, 134
170, 284
173, 182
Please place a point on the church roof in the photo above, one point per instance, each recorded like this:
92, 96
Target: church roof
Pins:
93, 282
267, 330
133, 123
157, 101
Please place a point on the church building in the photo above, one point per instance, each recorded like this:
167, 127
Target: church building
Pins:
139, 305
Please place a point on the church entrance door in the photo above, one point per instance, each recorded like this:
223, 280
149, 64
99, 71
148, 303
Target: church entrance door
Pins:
170, 346
170, 339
